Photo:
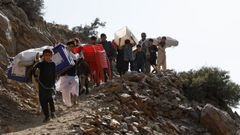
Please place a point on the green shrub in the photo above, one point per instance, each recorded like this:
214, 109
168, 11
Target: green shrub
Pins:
89, 30
210, 85
33, 8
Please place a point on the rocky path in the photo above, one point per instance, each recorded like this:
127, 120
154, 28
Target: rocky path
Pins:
135, 104
68, 119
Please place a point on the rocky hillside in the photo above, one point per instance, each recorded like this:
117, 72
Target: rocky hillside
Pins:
18, 34
134, 104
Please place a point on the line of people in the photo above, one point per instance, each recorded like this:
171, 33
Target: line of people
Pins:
146, 55
75, 80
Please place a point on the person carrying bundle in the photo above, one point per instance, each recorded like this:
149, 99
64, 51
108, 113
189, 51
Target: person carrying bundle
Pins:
161, 59
69, 82
45, 73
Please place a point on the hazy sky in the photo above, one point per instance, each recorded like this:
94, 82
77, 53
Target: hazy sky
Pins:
207, 30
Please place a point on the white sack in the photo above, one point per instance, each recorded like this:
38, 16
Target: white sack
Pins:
170, 42
24, 59
122, 34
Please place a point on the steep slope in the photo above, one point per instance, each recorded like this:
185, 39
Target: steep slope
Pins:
136, 104
18, 34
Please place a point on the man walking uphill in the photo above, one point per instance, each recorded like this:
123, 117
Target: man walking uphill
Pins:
109, 49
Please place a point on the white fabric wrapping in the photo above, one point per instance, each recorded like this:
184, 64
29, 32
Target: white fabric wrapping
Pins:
122, 34
68, 85
170, 42
24, 59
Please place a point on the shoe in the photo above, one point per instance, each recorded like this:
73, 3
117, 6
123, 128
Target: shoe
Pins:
46, 120
53, 116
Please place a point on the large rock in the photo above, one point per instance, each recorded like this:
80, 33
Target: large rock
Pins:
6, 34
16, 33
3, 56
218, 122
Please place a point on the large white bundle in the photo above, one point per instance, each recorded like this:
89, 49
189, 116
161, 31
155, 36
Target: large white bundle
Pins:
122, 34
24, 59
170, 42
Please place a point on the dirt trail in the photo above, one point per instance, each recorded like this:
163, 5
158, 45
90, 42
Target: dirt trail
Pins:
66, 118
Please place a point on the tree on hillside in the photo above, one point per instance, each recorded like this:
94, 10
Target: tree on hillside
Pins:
33, 8
89, 30
210, 85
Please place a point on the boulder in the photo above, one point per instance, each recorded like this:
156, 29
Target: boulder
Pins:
3, 57
6, 34
218, 122
3, 77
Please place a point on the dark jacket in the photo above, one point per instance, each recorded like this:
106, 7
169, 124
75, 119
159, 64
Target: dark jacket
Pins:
47, 73
153, 51
127, 52
82, 68
109, 48
140, 58
120, 61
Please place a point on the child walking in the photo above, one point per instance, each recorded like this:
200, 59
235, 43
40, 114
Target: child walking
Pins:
140, 59
45, 73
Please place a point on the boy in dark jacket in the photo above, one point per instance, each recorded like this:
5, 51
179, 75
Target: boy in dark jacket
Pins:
128, 55
153, 54
140, 58
45, 72
110, 51
120, 61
